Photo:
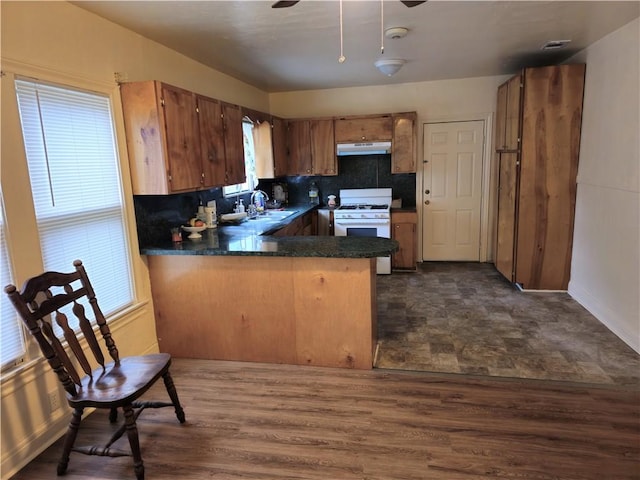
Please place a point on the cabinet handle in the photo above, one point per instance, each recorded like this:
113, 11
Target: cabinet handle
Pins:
427, 202
427, 191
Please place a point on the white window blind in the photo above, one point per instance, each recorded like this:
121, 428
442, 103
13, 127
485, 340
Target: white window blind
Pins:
11, 333
76, 187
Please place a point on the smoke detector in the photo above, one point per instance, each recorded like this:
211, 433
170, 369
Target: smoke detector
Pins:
395, 32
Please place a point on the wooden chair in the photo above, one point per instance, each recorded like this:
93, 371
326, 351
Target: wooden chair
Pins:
117, 384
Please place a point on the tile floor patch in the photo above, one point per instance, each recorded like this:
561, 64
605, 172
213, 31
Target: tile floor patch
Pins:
466, 318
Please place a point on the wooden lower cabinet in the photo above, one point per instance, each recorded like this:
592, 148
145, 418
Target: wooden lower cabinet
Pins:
266, 309
403, 230
304, 225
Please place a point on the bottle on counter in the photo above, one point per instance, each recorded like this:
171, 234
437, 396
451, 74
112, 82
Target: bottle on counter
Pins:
314, 194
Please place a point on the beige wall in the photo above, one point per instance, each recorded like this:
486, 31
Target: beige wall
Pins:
605, 268
59, 42
437, 101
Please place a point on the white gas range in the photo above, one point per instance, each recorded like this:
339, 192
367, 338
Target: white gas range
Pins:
365, 212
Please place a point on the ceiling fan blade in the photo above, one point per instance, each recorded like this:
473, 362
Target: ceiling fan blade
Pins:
284, 3
410, 3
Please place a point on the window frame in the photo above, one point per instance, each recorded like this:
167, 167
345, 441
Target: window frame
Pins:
21, 230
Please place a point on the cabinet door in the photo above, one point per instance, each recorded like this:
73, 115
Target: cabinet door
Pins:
146, 139
501, 116
233, 144
323, 146
507, 194
280, 155
211, 142
299, 136
183, 142
403, 155
403, 230
513, 114
549, 165
364, 129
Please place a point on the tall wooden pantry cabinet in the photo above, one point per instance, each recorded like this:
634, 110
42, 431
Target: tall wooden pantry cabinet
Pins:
539, 115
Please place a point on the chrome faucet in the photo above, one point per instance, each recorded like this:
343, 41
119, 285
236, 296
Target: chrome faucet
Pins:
259, 200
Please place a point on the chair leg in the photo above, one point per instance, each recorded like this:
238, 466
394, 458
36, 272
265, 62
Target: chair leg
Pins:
113, 415
173, 394
69, 440
134, 442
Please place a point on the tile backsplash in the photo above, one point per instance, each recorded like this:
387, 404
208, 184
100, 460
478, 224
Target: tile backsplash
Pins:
157, 214
357, 171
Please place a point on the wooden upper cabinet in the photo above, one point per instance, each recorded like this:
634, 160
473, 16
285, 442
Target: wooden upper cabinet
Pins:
211, 142
323, 148
403, 153
161, 126
179, 141
299, 137
508, 115
183, 138
233, 144
363, 129
280, 155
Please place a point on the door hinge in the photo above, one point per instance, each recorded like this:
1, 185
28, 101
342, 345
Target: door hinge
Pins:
162, 102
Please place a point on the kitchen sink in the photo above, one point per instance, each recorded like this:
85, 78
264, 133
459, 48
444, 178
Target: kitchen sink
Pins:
273, 216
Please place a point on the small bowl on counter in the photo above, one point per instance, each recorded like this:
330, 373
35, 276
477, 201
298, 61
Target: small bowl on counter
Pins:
194, 231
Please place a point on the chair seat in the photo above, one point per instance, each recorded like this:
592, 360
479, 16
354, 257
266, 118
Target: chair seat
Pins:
120, 384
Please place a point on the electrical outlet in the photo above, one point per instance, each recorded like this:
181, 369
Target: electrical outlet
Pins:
54, 401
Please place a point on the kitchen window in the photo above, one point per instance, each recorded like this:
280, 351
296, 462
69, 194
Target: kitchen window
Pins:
249, 163
76, 186
12, 346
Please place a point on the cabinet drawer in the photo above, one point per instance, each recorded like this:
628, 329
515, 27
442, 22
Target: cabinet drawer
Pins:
369, 129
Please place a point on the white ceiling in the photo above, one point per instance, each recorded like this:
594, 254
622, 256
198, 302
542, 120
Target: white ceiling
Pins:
297, 48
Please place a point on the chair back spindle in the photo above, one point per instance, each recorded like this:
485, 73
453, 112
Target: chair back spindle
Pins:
36, 312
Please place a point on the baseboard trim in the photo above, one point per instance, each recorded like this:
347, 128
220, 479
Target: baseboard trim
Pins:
605, 315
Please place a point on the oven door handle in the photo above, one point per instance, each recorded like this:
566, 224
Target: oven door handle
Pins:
362, 221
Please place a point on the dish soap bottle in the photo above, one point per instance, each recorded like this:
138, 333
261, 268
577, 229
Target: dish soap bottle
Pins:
314, 196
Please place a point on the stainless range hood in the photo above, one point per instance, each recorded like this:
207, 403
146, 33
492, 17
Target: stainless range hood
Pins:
369, 148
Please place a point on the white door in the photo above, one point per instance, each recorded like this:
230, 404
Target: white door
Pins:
452, 190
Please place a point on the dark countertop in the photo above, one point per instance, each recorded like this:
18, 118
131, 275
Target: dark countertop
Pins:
251, 238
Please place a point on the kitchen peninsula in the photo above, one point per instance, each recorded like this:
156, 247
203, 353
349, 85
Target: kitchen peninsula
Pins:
243, 293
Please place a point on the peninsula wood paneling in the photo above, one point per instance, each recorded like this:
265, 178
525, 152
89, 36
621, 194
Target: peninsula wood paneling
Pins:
258, 421
316, 311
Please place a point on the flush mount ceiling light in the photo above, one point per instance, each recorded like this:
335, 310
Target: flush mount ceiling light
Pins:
394, 33
389, 66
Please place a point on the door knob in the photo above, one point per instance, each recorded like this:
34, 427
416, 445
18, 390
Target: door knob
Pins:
427, 192
427, 202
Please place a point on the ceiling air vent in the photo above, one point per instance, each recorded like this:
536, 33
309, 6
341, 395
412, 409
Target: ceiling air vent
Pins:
555, 44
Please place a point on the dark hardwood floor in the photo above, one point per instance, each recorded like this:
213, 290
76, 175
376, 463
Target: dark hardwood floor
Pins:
257, 421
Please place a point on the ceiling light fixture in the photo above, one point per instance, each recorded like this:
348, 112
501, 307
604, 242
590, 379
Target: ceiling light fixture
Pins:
389, 66
394, 33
